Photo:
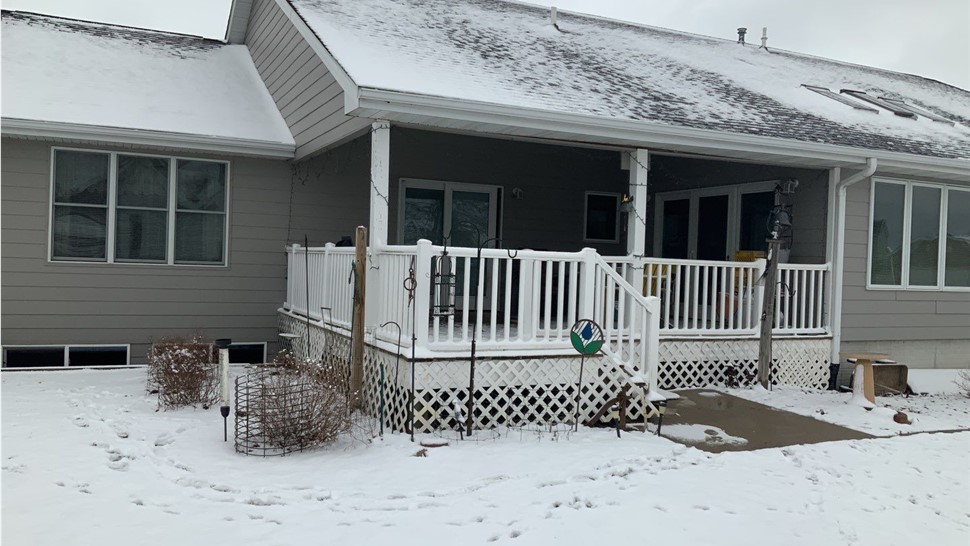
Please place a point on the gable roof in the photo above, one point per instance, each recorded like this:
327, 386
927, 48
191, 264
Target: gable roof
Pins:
509, 54
69, 77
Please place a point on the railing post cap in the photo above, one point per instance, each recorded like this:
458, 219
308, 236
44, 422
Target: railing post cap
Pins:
329, 245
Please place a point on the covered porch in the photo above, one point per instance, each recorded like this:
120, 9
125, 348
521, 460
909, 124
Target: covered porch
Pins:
507, 244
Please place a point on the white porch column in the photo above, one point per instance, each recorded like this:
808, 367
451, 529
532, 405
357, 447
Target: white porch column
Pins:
636, 231
380, 162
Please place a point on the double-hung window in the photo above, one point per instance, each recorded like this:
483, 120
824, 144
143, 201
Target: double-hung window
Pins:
128, 208
919, 236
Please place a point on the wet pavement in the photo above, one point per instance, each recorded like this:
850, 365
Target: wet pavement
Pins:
714, 421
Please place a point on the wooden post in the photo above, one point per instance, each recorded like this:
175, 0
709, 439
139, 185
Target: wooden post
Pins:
357, 333
768, 312
636, 231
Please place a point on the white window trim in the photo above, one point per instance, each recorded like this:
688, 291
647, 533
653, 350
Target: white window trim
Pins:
734, 193
907, 227
111, 213
448, 187
67, 352
616, 228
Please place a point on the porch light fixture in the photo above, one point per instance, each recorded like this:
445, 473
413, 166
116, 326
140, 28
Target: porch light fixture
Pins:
787, 187
626, 203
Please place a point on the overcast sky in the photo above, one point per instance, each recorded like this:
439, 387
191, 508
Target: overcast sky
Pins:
926, 37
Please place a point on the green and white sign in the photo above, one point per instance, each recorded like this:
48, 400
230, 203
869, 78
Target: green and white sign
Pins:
586, 337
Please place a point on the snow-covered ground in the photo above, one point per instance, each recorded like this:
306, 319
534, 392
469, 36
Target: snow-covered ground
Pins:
943, 410
88, 460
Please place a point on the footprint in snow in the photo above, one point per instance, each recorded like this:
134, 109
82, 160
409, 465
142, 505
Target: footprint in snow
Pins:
80, 422
164, 440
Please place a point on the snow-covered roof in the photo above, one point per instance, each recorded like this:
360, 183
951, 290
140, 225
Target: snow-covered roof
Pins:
509, 54
85, 74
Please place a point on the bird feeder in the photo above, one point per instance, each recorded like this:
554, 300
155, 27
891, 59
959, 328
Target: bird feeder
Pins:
443, 289
223, 345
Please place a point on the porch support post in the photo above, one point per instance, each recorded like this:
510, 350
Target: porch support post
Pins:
636, 230
380, 162
835, 174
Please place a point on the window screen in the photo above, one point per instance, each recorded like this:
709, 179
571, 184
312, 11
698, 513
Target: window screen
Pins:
601, 217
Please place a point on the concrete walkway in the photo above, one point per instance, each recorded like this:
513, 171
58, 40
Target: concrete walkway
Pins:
762, 426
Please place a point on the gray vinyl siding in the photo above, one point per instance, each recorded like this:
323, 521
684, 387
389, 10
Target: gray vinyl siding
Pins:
554, 180
923, 328
238, 20
307, 95
74, 303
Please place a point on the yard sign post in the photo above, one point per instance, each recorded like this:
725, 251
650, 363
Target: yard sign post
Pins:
587, 338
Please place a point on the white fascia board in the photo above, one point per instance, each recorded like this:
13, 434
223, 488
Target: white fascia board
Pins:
139, 137
645, 134
346, 83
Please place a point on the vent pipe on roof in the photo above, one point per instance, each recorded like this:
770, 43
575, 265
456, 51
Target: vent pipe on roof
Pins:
741, 32
764, 39
554, 18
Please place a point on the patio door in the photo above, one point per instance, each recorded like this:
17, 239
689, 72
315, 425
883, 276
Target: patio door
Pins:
434, 210
713, 223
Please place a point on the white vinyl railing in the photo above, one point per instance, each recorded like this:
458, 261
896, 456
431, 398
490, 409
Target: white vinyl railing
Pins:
528, 300
800, 299
725, 298
331, 288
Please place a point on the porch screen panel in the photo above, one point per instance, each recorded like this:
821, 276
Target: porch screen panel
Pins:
887, 234
424, 215
80, 205
957, 271
924, 240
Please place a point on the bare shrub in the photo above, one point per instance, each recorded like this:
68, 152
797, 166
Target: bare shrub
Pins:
963, 382
299, 403
184, 372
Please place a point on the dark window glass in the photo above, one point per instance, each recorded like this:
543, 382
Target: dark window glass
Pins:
601, 217
33, 357
924, 236
712, 222
80, 205
887, 234
247, 353
676, 225
755, 210
97, 356
957, 238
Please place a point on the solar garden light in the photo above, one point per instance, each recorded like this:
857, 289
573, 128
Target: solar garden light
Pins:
661, 410
223, 345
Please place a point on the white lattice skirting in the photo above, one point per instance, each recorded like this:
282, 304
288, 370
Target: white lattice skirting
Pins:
542, 390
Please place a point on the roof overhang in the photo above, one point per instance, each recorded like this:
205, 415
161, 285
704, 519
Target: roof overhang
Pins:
469, 116
138, 137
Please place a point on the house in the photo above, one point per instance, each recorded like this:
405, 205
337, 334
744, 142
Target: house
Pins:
610, 170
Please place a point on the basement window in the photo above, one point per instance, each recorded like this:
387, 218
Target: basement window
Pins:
65, 355
247, 353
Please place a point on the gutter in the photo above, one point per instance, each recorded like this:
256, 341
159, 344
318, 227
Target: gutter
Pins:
838, 266
385, 103
16, 127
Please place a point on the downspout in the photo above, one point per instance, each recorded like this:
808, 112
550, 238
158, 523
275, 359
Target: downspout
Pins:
838, 267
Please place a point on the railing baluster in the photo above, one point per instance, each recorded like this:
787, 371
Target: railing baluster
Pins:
508, 300
810, 301
493, 315
560, 312
573, 287
465, 296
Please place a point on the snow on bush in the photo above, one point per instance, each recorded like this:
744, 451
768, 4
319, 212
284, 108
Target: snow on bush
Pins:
184, 372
